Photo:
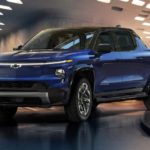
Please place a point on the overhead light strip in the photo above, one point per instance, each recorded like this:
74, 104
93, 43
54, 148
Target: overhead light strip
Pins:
148, 6
146, 32
5, 7
2, 24
138, 18
124, 0
15, 1
138, 2
104, 1
146, 24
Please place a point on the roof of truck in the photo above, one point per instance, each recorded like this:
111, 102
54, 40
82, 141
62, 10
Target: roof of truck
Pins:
84, 29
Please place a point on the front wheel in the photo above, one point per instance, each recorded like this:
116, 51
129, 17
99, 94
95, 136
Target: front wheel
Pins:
7, 113
80, 105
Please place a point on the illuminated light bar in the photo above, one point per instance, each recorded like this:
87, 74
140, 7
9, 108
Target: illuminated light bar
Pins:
146, 32
2, 24
139, 18
138, 2
15, 1
5, 7
1, 14
104, 1
146, 23
36, 64
124, 0
148, 6
148, 37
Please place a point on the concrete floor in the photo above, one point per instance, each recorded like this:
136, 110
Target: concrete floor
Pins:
114, 126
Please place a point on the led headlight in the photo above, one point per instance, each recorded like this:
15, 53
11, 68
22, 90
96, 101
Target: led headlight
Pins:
60, 73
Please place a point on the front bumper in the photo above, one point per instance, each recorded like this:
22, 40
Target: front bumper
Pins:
41, 95
33, 99
32, 93
33, 84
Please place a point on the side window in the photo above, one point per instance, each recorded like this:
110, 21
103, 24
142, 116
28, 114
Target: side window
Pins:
124, 41
88, 40
67, 41
104, 38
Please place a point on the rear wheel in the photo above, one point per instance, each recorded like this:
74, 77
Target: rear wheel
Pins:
7, 113
147, 99
147, 102
80, 105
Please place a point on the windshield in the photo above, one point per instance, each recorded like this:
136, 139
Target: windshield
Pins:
53, 40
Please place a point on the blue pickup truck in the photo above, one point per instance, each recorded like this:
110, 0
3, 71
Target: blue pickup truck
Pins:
77, 68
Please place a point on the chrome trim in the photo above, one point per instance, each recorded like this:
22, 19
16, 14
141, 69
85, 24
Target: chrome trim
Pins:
42, 95
33, 64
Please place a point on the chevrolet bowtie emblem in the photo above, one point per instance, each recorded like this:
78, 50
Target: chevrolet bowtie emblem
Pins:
15, 66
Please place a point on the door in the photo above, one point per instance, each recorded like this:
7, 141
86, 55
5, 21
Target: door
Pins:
108, 70
133, 69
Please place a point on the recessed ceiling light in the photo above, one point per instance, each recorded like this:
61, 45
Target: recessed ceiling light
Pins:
146, 11
1, 14
5, 7
146, 32
139, 18
1, 29
146, 23
143, 15
148, 6
2, 24
15, 1
124, 0
138, 2
104, 1
116, 8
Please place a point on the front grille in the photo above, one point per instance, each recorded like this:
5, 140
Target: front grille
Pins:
16, 84
22, 86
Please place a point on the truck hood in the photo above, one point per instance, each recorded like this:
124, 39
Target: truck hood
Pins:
42, 55
33, 56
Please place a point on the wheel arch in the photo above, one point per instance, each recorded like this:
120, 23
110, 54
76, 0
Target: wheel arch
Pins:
83, 72
147, 85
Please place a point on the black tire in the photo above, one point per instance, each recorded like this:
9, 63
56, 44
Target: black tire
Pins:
147, 99
7, 113
94, 107
147, 103
76, 109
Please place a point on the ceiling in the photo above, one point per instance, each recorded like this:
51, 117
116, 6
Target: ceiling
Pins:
89, 11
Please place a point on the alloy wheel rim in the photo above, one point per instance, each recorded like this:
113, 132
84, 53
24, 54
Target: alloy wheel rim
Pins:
84, 99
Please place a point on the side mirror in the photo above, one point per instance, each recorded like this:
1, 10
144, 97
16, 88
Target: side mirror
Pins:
18, 48
104, 48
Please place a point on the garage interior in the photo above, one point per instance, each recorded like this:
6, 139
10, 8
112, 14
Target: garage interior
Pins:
25, 20
115, 126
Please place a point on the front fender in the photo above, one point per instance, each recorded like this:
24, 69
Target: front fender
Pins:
78, 68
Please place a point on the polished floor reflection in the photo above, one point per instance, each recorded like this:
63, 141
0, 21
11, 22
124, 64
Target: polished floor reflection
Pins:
115, 126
